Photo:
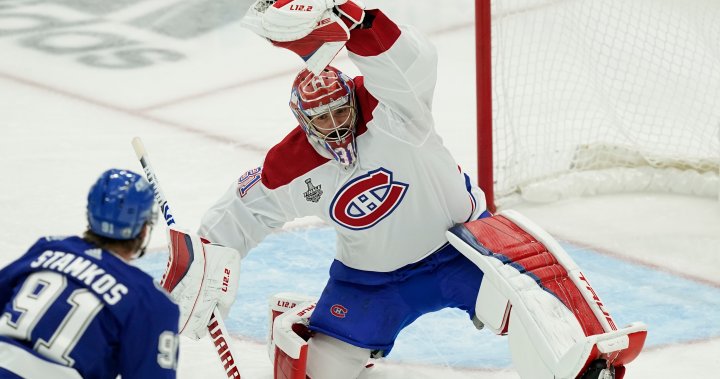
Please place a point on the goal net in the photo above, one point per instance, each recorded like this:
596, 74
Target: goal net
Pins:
599, 96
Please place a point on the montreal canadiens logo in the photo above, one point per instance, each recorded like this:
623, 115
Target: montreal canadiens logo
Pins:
367, 199
338, 311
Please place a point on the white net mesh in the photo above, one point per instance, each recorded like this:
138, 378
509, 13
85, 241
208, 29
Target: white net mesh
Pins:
601, 84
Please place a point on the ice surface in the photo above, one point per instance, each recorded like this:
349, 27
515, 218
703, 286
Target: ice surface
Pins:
210, 116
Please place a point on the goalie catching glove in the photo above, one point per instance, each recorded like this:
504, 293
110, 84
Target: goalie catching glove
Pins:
200, 276
316, 30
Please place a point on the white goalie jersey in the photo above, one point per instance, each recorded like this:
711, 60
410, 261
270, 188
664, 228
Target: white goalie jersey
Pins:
393, 207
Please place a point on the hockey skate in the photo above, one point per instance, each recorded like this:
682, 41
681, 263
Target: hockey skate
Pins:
599, 370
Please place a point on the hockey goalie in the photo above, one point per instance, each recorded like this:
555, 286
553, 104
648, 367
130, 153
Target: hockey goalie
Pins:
366, 159
532, 291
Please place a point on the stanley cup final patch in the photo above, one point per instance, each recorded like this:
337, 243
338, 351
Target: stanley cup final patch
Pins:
313, 193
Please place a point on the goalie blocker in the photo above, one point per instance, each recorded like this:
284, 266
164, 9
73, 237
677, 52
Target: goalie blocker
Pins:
534, 292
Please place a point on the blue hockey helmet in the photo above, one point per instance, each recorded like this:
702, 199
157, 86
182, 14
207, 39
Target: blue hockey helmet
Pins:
119, 204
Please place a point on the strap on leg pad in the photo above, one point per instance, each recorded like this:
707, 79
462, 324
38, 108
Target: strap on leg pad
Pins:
287, 342
533, 291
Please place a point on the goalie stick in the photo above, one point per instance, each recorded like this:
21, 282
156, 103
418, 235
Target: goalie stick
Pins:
216, 326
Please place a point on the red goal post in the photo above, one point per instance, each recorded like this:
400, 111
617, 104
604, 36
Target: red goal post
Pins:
583, 97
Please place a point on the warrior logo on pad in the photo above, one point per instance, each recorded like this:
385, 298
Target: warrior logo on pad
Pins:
367, 199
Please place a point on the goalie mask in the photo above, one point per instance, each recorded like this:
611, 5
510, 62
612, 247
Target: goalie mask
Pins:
324, 105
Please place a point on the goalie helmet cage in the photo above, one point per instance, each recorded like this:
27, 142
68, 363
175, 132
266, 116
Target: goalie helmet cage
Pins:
581, 97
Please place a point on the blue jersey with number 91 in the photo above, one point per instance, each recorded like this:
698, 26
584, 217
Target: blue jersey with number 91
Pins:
74, 304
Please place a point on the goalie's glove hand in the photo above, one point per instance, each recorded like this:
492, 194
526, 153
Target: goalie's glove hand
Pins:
199, 277
292, 20
315, 30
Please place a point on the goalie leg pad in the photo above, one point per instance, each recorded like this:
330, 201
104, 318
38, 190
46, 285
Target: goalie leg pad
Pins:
492, 308
279, 304
289, 336
557, 324
297, 355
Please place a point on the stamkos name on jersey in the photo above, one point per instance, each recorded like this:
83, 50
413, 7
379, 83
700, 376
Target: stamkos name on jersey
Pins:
103, 284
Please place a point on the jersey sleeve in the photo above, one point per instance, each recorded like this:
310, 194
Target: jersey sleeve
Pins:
150, 344
399, 66
7, 277
246, 213
10, 273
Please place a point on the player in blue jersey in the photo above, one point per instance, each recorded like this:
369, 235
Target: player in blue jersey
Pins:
74, 307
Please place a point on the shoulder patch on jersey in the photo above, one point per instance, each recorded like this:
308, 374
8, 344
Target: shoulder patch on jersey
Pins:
290, 159
248, 180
